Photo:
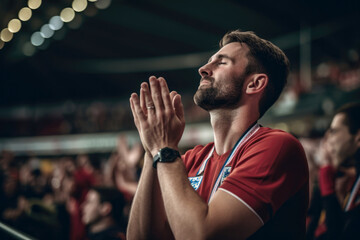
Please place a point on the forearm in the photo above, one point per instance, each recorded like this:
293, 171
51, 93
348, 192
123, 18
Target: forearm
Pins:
185, 210
147, 216
125, 185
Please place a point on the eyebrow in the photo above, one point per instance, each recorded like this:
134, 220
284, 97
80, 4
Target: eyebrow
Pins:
221, 56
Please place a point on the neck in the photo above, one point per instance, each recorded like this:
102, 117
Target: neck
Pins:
230, 125
102, 225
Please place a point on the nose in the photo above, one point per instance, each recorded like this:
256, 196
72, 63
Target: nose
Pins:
205, 70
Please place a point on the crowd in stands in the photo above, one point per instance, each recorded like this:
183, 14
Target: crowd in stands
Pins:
71, 118
46, 198
69, 197
115, 115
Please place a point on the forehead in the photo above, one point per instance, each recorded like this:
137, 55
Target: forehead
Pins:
233, 50
338, 121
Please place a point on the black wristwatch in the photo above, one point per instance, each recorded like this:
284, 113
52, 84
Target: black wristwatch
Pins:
166, 155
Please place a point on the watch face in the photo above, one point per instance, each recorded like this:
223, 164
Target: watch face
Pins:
167, 153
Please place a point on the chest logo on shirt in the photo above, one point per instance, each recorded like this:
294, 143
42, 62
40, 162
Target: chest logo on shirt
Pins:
195, 181
226, 173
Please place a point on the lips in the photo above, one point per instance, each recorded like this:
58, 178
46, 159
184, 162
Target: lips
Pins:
206, 81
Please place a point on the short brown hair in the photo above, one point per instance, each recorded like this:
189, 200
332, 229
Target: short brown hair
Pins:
264, 57
352, 116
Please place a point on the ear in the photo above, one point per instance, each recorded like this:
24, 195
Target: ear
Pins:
106, 208
357, 139
257, 83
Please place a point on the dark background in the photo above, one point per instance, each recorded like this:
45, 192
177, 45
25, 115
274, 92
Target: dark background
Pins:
86, 64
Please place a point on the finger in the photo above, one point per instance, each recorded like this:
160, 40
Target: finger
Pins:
136, 121
137, 109
165, 94
134, 111
156, 94
172, 95
149, 104
178, 106
142, 98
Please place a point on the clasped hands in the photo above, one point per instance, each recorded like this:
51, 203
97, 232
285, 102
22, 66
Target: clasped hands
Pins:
158, 115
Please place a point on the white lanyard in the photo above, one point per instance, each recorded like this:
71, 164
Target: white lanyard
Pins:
243, 139
353, 194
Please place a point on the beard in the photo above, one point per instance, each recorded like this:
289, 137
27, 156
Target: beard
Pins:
214, 97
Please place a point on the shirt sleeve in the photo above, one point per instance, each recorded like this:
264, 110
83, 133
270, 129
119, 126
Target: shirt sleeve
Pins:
270, 170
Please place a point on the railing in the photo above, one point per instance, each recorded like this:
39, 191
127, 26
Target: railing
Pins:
14, 233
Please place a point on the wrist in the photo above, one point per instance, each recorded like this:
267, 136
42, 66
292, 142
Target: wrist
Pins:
155, 151
166, 155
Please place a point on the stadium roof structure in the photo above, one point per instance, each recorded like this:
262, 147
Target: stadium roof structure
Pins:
112, 46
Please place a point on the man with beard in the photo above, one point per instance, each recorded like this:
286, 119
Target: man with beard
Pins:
251, 182
339, 179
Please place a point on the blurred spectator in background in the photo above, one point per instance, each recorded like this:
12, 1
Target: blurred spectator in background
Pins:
339, 180
84, 176
43, 197
123, 167
28, 203
79, 184
103, 214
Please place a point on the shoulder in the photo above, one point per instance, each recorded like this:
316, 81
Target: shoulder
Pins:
275, 150
275, 139
266, 133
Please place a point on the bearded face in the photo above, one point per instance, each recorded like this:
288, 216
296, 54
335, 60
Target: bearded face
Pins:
215, 94
223, 77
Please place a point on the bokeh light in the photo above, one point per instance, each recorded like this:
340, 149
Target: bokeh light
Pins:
34, 4
28, 49
6, 35
25, 14
67, 14
79, 5
103, 4
56, 23
46, 31
37, 39
14, 25
2, 44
